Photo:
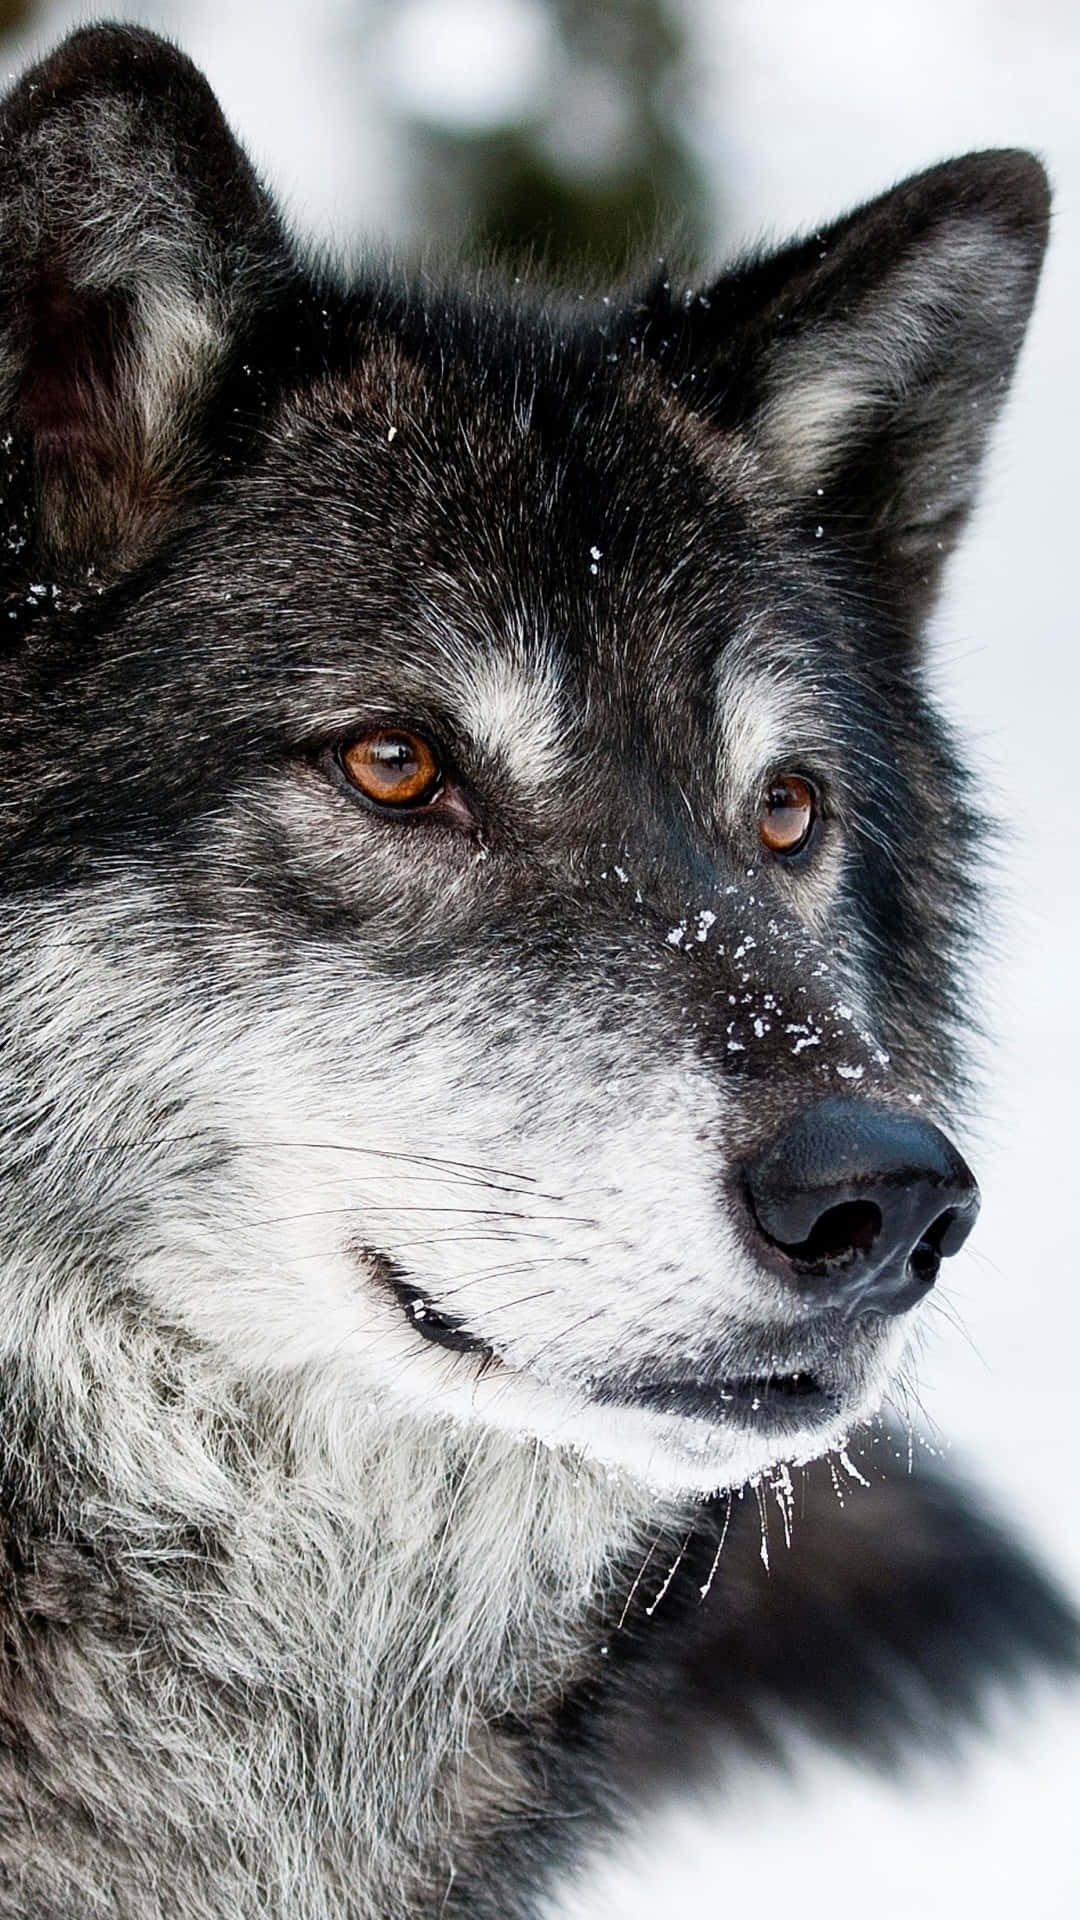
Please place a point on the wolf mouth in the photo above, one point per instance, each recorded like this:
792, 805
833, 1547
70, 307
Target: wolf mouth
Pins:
767, 1402
778, 1402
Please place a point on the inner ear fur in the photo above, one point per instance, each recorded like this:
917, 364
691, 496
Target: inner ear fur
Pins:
867, 363
134, 241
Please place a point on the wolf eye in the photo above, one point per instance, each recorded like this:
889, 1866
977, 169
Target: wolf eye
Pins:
788, 812
392, 768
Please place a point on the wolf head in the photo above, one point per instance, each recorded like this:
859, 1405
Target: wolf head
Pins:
484, 886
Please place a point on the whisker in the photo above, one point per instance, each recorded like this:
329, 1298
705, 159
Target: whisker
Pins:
461, 1169
638, 1577
706, 1588
511, 1267
672, 1571
522, 1300
484, 1213
954, 1319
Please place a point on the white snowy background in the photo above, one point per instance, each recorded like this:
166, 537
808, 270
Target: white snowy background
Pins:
799, 108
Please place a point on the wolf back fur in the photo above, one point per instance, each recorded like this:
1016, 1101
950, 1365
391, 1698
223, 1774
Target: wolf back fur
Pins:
376, 1306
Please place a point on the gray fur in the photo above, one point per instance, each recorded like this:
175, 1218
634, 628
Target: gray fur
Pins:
309, 1615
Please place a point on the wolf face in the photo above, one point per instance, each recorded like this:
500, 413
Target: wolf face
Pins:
485, 885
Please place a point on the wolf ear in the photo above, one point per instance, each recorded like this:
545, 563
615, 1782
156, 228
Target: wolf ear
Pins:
867, 364
134, 243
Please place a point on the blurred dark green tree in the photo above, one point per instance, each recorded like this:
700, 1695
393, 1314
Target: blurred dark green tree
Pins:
590, 166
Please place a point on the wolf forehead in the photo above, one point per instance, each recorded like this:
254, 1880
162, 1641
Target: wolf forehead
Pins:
489, 522
535, 488
481, 520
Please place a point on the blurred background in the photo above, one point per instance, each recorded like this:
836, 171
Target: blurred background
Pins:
579, 130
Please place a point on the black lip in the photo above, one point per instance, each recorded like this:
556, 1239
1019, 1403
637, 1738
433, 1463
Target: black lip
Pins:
442, 1329
767, 1403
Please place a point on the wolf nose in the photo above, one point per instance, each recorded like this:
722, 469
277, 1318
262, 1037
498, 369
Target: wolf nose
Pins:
862, 1203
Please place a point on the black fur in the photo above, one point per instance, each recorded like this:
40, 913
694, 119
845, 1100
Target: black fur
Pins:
206, 580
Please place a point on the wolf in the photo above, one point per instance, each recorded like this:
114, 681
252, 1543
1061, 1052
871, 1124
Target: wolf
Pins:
486, 905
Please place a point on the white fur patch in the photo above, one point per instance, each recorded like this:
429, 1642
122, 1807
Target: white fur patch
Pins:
762, 712
814, 415
513, 706
829, 385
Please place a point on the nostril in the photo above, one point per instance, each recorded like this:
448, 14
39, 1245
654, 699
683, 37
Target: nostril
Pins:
839, 1233
938, 1231
951, 1228
925, 1257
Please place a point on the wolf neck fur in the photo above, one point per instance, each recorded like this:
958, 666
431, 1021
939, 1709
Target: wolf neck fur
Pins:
352, 1599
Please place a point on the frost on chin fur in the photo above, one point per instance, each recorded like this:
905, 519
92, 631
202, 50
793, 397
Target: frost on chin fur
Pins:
414, 1446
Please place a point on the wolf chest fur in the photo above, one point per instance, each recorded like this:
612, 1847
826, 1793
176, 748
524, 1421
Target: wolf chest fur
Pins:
485, 894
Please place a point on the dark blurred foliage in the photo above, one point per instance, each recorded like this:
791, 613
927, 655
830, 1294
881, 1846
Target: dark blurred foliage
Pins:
594, 170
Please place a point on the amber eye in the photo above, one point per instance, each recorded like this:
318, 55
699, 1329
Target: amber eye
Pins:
392, 768
788, 811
